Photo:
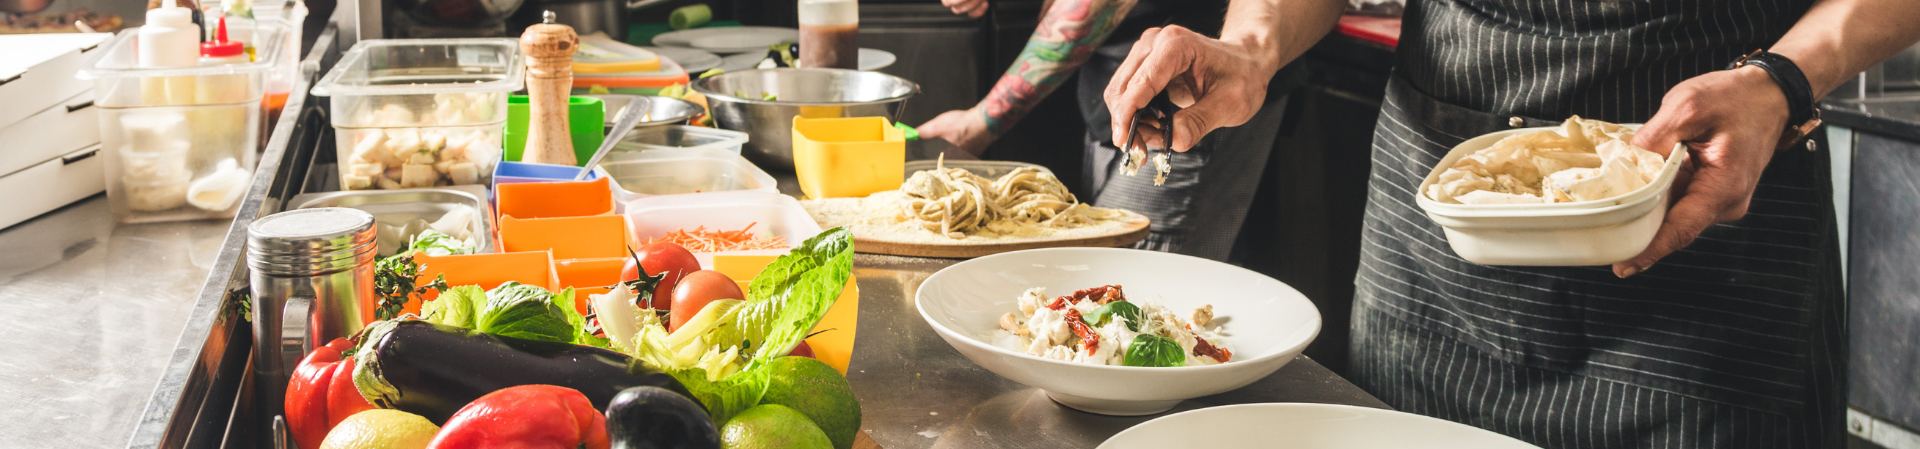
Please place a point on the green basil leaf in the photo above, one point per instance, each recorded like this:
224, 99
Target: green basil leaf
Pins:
1122, 309
1154, 350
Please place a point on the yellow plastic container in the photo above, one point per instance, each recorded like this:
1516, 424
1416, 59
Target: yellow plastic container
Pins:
848, 157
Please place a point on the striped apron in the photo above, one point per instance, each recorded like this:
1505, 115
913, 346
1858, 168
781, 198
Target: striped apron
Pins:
1737, 341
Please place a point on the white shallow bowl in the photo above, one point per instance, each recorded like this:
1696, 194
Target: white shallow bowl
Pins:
1305, 426
1265, 322
1581, 233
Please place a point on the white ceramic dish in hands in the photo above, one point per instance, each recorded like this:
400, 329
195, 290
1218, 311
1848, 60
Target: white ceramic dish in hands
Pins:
1265, 323
1580, 233
1305, 426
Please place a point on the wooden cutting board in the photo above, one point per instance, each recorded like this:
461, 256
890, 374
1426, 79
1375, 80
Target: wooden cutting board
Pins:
1134, 230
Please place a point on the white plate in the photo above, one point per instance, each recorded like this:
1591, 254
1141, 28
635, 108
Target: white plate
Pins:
727, 40
870, 59
692, 60
1264, 322
1305, 426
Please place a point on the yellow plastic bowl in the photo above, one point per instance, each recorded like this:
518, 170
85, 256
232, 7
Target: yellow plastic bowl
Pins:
847, 157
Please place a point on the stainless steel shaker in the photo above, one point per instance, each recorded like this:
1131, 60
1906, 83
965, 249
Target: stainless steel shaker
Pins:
311, 271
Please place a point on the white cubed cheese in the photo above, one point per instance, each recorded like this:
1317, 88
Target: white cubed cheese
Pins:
433, 141
386, 183
417, 175
464, 173
421, 158
356, 182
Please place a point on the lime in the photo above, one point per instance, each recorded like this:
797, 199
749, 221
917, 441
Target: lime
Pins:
381, 429
770, 426
816, 390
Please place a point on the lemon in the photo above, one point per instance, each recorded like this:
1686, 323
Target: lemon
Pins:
818, 391
381, 429
770, 426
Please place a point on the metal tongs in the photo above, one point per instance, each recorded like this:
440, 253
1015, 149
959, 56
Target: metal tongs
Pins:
1160, 111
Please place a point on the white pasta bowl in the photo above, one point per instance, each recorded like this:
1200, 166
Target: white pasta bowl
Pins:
1580, 233
1263, 322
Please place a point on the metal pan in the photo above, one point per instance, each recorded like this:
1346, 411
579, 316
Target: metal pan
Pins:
397, 207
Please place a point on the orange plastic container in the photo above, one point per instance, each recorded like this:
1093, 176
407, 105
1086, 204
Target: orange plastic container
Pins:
588, 277
596, 237
848, 157
485, 270
556, 199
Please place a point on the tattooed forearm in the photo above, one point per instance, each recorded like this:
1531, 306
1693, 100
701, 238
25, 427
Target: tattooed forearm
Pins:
1066, 36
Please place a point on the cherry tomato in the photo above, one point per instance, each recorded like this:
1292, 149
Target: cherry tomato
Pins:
696, 290
657, 257
802, 350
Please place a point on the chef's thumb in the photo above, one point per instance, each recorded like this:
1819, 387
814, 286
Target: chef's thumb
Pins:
1193, 123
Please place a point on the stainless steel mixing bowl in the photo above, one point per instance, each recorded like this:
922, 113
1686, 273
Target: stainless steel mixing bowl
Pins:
736, 100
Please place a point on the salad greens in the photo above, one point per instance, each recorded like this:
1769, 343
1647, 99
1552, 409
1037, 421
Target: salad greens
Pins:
719, 354
396, 278
1154, 350
511, 310
1098, 317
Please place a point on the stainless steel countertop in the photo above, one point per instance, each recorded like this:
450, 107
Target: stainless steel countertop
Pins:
92, 311
916, 391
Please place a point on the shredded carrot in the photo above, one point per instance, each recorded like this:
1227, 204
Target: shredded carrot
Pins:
700, 240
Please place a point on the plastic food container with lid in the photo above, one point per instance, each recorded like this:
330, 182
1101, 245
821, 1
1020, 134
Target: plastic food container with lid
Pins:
421, 112
643, 174
683, 137
1581, 233
180, 142
770, 214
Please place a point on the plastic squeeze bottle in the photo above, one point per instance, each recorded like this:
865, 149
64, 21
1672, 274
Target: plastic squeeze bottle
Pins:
221, 89
169, 39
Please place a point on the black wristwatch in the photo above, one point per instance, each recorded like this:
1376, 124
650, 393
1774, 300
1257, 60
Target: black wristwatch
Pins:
1802, 115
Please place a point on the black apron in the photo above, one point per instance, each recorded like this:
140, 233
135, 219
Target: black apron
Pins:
1735, 341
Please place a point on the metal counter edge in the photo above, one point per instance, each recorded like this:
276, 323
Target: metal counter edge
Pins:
171, 415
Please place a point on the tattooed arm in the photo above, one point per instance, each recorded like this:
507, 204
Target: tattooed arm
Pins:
1065, 38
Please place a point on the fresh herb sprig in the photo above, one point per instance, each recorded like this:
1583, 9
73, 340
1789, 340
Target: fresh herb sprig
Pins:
393, 282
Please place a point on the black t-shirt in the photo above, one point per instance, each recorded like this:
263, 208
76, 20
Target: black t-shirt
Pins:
1201, 16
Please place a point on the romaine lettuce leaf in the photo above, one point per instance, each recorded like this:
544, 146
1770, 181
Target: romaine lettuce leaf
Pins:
787, 299
528, 312
455, 307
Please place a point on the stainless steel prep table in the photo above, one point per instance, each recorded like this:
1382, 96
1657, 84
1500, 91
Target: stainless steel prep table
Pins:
101, 315
916, 391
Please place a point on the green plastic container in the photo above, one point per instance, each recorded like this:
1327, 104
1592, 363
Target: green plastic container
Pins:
586, 121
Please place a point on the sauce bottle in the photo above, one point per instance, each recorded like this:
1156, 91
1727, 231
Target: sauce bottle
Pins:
169, 39
830, 34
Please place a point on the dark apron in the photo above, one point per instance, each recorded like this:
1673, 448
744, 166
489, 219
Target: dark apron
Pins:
1735, 341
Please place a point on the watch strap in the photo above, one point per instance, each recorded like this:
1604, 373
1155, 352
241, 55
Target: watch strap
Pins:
1802, 115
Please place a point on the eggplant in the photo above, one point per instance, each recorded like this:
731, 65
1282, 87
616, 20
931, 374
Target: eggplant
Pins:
433, 370
657, 418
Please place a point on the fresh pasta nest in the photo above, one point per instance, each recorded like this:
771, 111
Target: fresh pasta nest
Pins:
1586, 160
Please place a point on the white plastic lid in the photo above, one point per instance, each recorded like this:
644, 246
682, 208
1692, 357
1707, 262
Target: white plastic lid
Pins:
172, 15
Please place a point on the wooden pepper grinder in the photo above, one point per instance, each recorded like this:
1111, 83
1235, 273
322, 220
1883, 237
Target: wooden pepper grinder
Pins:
549, 48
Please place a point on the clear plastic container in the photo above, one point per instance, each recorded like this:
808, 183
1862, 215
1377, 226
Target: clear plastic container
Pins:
179, 143
441, 104
681, 171
770, 214
682, 136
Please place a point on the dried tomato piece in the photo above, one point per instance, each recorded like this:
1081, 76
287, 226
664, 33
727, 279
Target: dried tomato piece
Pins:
1201, 347
1080, 328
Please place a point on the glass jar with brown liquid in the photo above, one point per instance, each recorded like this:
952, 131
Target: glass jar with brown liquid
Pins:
830, 34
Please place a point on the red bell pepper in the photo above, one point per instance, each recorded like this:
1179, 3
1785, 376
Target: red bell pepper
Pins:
526, 417
321, 394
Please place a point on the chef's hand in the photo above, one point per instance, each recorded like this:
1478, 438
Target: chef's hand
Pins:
1216, 83
971, 8
1731, 121
965, 128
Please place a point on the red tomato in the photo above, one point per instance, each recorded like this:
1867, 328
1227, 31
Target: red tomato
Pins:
696, 290
657, 257
802, 350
